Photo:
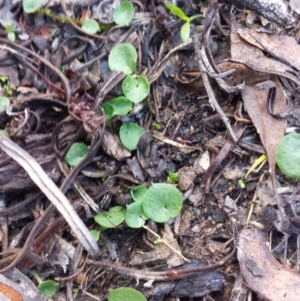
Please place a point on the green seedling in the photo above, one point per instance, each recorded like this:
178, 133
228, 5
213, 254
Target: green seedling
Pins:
117, 106
4, 133
7, 91
288, 155
123, 13
112, 218
4, 103
156, 125
162, 201
76, 153
186, 27
136, 88
90, 26
138, 193
125, 294
130, 134
241, 183
31, 6
10, 33
172, 177
95, 234
159, 203
123, 58
47, 288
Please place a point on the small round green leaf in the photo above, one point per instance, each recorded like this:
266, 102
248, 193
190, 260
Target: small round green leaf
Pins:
11, 36
185, 32
95, 234
76, 153
178, 12
288, 155
48, 288
123, 13
111, 219
4, 103
117, 106
135, 217
136, 88
125, 294
90, 26
31, 6
138, 193
4, 133
130, 134
161, 202
123, 58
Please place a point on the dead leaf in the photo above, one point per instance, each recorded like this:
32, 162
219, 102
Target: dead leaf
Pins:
162, 251
284, 48
263, 273
113, 147
270, 129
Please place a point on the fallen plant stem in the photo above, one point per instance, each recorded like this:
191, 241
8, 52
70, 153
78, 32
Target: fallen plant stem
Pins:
166, 243
64, 7
44, 61
209, 90
52, 192
174, 274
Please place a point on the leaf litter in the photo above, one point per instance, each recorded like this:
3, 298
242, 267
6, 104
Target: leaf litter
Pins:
260, 72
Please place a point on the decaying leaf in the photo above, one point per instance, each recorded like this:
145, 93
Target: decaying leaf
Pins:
270, 129
263, 273
113, 147
284, 48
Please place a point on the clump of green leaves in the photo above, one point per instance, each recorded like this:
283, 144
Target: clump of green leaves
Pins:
7, 91
117, 106
90, 26
10, 33
288, 155
31, 6
123, 13
47, 288
76, 153
186, 27
125, 294
172, 177
123, 58
159, 203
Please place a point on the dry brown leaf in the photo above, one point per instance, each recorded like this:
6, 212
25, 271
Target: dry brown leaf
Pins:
285, 48
263, 273
270, 129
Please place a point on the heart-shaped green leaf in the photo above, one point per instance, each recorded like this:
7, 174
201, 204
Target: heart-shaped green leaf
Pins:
111, 219
136, 88
138, 193
4, 103
90, 26
123, 58
161, 202
130, 134
288, 155
125, 294
117, 106
76, 153
135, 217
123, 13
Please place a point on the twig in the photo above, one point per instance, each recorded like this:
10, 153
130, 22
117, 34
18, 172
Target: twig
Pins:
170, 274
52, 192
209, 90
166, 243
44, 61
